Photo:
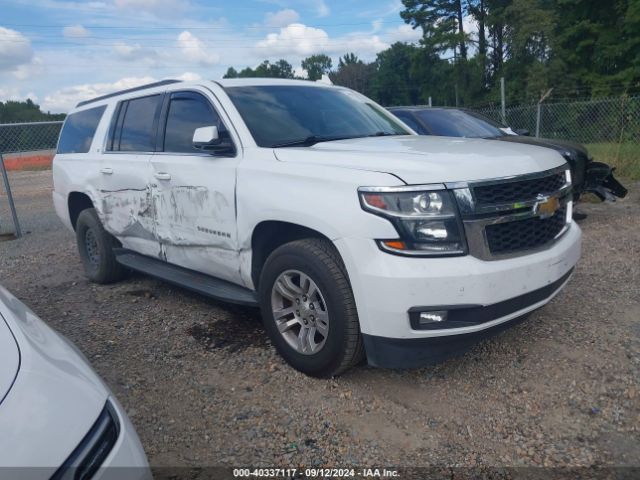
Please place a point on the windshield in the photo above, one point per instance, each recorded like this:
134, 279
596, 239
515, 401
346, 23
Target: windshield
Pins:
456, 123
283, 115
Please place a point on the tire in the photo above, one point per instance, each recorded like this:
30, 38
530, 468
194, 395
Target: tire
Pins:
95, 246
336, 344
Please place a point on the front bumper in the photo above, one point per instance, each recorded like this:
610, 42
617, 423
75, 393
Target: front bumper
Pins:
387, 287
416, 352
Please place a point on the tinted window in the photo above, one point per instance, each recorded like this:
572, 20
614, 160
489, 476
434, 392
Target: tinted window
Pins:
79, 129
186, 113
280, 114
406, 118
456, 123
138, 126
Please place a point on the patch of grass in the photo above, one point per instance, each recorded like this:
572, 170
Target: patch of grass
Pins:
624, 156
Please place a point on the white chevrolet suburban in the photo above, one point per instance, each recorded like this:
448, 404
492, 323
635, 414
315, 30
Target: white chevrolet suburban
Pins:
355, 236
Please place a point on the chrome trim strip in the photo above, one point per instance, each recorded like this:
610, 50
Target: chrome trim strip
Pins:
509, 178
404, 188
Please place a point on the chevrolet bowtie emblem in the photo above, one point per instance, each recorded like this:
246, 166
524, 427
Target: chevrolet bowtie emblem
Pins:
545, 207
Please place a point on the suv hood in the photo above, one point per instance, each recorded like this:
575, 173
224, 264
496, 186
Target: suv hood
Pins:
9, 359
421, 159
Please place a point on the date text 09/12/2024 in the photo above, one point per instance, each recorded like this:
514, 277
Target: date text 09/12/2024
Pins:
314, 473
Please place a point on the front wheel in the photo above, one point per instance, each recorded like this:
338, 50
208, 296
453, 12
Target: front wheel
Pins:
308, 308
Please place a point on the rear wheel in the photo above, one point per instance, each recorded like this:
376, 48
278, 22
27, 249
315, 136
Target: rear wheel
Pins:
95, 246
308, 308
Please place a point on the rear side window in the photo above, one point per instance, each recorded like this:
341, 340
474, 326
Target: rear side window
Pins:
136, 129
187, 112
79, 129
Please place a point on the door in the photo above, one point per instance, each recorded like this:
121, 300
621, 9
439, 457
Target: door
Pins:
194, 191
126, 210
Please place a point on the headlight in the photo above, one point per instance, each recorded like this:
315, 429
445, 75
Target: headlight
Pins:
427, 221
94, 448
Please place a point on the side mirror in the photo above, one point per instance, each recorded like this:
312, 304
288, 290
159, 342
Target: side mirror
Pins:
204, 137
208, 139
522, 131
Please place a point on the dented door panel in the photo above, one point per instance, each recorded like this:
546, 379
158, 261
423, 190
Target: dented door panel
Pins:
195, 212
125, 202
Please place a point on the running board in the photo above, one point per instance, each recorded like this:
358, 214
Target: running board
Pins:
191, 280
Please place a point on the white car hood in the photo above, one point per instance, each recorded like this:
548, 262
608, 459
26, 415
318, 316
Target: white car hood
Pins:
9, 359
427, 159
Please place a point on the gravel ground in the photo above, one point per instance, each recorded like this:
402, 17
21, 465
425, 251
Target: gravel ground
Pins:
203, 386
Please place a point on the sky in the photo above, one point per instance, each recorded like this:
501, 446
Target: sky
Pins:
60, 52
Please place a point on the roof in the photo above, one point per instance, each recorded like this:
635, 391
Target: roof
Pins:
226, 82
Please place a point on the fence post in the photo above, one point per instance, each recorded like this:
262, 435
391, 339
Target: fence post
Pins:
504, 107
542, 99
12, 205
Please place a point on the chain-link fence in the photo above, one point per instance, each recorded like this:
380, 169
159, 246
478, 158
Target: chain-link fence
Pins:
610, 120
24, 147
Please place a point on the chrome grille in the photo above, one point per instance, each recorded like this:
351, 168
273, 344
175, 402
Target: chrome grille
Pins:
516, 215
515, 191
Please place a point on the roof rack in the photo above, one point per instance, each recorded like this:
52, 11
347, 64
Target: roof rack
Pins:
129, 90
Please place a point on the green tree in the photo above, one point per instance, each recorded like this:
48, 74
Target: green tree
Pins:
231, 73
353, 73
441, 22
25, 111
348, 59
394, 83
280, 69
317, 66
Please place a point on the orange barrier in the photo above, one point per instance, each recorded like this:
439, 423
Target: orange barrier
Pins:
28, 162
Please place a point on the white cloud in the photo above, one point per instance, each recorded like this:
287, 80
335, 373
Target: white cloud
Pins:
66, 98
297, 39
281, 18
129, 53
13, 93
195, 50
75, 31
188, 77
300, 40
156, 7
29, 70
15, 49
404, 33
322, 10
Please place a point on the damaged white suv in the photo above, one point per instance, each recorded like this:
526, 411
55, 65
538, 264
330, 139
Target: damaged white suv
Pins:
355, 236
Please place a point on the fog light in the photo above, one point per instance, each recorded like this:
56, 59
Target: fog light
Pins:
427, 318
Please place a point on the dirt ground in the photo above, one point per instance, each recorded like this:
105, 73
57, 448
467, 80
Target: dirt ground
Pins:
204, 387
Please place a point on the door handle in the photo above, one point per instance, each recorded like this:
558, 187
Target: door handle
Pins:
106, 171
162, 176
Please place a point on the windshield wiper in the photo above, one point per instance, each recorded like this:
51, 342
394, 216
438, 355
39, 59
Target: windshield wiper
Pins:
385, 134
309, 141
